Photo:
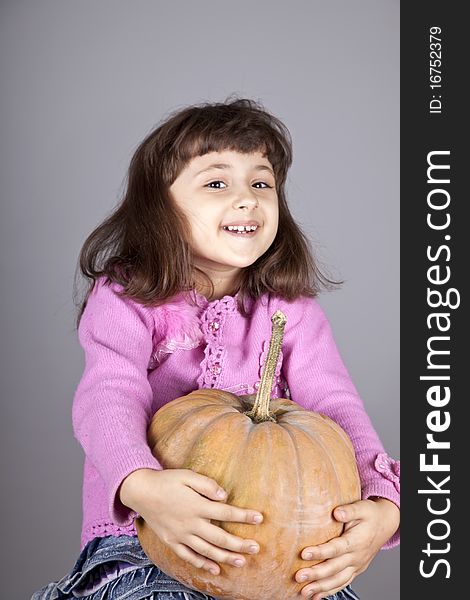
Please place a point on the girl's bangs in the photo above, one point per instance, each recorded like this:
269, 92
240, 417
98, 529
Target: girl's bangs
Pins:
199, 142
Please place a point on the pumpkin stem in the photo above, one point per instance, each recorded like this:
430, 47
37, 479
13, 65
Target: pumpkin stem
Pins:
260, 411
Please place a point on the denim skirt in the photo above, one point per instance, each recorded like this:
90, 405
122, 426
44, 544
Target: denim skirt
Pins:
116, 568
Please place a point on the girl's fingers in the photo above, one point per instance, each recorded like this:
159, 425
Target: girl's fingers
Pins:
205, 549
350, 512
195, 559
222, 539
218, 511
327, 587
323, 570
333, 548
204, 485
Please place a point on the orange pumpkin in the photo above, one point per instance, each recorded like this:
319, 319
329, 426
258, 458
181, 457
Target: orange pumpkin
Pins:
293, 465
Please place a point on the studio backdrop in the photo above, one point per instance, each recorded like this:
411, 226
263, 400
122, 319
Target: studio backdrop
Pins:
82, 84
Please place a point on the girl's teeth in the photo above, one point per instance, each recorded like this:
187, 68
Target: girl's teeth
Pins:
241, 228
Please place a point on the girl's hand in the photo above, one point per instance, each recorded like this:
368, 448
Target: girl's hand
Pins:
178, 505
368, 525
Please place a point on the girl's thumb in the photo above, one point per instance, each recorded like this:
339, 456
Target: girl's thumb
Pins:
208, 487
340, 514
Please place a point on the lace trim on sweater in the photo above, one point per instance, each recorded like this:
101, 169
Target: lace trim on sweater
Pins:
280, 388
213, 321
105, 528
184, 332
389, 468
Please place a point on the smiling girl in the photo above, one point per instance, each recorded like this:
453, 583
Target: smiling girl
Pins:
184, 277
231, 204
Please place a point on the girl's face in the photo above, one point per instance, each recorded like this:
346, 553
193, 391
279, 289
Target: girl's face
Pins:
228, 189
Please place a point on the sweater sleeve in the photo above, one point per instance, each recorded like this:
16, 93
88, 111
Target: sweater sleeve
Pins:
319, 381
112, 405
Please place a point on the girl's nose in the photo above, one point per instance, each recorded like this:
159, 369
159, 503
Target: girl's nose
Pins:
246, 197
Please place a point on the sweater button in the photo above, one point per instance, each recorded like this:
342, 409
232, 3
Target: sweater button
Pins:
216, 369
214, 325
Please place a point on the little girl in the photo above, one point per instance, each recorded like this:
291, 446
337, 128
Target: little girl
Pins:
185, 275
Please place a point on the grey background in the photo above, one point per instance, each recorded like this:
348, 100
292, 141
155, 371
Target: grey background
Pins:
82, 83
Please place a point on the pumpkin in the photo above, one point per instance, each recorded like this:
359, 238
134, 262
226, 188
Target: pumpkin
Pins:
293, 465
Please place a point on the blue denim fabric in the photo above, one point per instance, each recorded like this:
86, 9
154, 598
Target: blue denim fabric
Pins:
116, 568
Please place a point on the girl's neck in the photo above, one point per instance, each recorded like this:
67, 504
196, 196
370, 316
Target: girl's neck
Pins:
222, 287
219, 292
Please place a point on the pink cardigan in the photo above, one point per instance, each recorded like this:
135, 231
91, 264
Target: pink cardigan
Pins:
138, 358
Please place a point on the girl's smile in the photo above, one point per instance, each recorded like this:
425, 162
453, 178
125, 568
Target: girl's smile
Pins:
231, 203
242, 230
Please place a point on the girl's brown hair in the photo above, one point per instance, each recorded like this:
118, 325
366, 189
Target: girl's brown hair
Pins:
144, 243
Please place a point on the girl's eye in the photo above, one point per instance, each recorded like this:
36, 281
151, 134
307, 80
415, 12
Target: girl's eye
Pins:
215, 183
264, 183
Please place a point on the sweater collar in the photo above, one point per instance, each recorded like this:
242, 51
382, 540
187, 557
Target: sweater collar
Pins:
202, 301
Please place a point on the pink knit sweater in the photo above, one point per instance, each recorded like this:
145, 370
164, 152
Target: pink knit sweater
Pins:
138, 358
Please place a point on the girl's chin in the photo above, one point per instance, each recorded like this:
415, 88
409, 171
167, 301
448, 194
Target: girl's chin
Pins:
228, 262
241, 264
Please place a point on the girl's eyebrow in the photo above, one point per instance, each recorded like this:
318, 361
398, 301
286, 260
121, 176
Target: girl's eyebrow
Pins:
227, 166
